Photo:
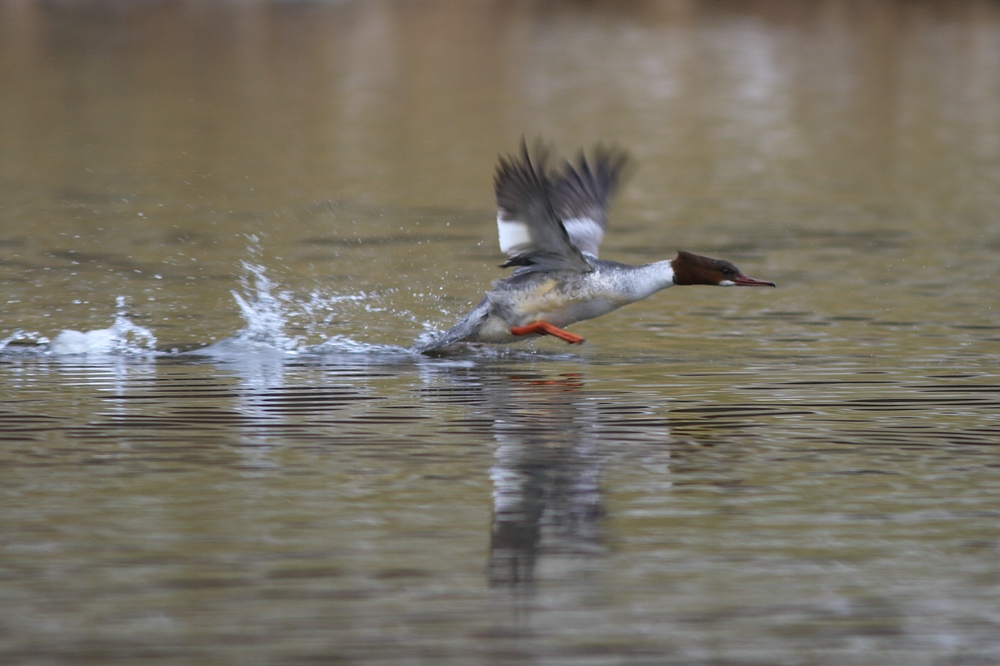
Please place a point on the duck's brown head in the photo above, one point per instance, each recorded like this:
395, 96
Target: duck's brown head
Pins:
695, 269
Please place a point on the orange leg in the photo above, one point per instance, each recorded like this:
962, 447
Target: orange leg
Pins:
545, 328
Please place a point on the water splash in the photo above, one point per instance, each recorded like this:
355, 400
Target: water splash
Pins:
264, 310
276, 322
268, 313
123, 337
20, 339
342, 343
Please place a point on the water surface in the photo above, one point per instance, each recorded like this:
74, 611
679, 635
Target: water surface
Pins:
221, 226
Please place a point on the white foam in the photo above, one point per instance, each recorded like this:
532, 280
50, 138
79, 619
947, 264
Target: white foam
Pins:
123, 337
101, 341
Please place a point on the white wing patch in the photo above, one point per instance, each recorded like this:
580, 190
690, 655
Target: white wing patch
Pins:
513, 234
585, 233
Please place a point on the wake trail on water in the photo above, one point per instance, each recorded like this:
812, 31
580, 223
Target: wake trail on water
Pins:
275, 321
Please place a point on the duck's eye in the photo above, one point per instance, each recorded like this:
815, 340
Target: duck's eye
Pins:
727, 271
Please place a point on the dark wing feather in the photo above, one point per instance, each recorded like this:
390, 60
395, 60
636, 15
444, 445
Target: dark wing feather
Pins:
528, 227
580, 196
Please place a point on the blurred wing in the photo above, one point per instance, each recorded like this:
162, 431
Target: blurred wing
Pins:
529, 230
580, 196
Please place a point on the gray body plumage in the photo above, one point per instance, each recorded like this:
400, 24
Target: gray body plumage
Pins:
561, 298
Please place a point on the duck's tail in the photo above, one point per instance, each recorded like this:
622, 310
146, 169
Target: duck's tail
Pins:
465, 329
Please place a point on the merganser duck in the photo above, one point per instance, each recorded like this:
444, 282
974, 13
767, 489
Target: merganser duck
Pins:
551, 225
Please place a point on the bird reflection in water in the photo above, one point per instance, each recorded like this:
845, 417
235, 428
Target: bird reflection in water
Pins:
546, 497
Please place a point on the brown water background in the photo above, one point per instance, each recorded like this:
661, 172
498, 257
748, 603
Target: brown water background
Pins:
295, 191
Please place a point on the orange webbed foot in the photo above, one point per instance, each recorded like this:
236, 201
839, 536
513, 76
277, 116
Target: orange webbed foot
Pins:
545, 328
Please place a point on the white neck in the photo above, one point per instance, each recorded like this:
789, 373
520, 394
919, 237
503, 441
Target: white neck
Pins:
658, 275
643, 281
